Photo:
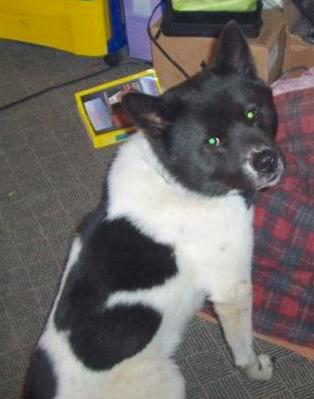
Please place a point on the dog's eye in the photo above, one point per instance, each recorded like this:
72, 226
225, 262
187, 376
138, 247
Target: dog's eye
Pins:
213, 141
251, 115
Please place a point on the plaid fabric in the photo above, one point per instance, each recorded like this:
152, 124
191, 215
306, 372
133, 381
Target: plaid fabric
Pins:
283, 264
283, 272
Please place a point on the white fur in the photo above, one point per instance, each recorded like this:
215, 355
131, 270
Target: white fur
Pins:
145, 377
261, 368
212, 240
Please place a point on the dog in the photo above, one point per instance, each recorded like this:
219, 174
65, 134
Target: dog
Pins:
174, 228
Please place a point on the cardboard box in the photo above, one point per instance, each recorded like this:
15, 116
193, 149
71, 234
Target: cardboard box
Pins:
298, 52
267, 50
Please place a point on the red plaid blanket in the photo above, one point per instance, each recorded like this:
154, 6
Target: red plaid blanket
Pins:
283, 264
283, 270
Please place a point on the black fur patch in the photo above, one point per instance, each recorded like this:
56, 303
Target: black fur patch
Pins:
115, 256
105, 338
40, 381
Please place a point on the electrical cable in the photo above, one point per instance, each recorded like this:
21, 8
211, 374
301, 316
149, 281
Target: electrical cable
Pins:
154, 40
58, 86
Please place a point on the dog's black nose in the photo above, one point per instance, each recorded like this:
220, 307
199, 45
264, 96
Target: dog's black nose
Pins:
265, 161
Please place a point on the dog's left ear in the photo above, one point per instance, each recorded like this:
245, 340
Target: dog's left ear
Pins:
149, 113
233, 54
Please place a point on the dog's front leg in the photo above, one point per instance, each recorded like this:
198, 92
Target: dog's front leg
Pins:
236, 318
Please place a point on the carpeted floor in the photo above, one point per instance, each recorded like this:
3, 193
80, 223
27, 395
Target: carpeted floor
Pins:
49, 177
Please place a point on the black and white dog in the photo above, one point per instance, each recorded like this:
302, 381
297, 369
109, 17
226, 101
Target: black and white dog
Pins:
175, 228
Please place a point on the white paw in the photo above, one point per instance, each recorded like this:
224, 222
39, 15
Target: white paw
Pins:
261, 369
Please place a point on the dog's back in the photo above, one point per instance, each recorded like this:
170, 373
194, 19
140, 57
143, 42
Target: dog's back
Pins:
176, 227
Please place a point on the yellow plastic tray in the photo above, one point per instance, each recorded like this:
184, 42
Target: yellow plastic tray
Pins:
79, 26
112, 135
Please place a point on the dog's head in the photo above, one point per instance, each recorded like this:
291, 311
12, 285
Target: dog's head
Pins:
216, 131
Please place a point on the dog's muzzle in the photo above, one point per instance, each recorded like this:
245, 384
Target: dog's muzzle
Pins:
266, 167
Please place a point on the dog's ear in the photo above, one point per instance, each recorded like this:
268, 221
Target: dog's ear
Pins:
233, 54
149, 113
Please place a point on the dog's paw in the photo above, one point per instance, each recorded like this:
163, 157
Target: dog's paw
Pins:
261, 369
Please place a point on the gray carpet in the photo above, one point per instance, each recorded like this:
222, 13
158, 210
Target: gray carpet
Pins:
49, 177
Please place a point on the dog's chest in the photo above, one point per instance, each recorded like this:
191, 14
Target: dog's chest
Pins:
216, 242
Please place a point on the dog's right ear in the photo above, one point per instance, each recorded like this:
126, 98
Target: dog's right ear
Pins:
149, 113
233, 53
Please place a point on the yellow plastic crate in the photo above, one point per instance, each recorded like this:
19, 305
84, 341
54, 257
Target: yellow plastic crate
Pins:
79, 26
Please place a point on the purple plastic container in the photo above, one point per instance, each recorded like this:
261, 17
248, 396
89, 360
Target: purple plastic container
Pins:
137, 13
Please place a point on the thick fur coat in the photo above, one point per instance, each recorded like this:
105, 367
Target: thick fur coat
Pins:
174, 228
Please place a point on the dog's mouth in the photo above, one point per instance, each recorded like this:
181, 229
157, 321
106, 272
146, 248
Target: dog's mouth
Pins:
268, 181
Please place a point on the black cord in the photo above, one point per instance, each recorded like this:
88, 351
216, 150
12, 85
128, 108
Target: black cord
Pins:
164, 52
47, 89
